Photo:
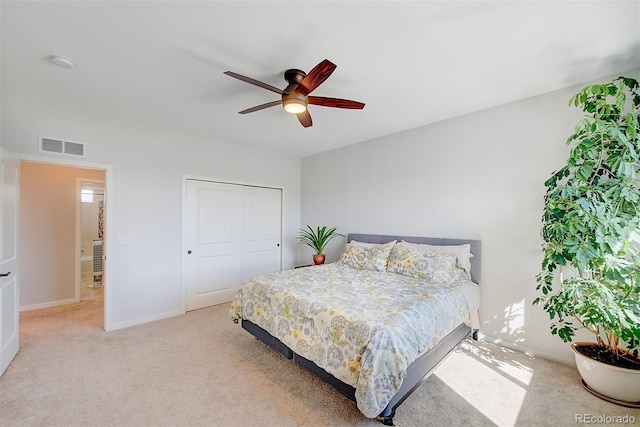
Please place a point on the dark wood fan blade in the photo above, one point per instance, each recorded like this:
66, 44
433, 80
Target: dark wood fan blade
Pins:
315, 77
254, 82
335, 102
305, 119
260, 107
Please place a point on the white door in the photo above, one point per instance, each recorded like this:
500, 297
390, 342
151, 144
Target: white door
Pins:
9, 190
263, 213
225, 231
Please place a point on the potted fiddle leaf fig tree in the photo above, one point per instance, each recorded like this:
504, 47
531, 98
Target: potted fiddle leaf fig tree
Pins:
317, 239
590, 276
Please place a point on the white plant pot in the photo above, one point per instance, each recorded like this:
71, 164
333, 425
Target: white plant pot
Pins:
618, 384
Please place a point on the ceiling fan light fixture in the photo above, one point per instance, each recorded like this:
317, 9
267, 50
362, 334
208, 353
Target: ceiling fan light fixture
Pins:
294, 105
295, 97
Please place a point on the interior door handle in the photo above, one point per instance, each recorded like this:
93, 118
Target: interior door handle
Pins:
5, 274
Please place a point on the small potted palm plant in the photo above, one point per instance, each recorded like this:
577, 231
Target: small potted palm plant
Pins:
590, 275
317, 239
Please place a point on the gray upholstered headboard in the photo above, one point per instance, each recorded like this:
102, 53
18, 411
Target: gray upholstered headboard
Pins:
476, 246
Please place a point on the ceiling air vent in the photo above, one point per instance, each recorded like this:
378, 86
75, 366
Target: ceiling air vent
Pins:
57, 146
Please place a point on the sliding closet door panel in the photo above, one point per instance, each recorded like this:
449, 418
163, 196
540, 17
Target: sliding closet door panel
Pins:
213, 264
263, 219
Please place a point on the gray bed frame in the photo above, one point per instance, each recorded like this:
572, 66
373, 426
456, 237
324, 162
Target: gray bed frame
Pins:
422, 367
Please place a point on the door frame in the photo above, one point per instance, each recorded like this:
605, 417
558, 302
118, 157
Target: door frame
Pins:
183, 250
109, 231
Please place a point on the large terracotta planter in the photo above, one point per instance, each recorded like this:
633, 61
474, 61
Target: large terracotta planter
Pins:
619, 385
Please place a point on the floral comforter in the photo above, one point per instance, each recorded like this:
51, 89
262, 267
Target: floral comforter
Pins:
363, 327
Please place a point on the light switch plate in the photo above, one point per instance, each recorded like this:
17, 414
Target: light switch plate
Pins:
123, 240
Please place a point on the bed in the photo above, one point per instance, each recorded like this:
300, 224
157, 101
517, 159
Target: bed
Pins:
375, 323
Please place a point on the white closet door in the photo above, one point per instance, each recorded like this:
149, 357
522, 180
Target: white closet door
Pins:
263, 212
213, 264
232, 233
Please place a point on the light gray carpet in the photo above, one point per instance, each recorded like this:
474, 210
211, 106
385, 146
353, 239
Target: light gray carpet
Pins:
201, 369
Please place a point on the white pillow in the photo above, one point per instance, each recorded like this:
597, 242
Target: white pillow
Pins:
374, 245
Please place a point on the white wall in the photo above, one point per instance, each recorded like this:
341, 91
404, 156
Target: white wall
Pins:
148, 163
478, 176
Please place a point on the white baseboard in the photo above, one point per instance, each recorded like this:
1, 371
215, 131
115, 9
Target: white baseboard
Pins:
49, 304
141, 320
569, 361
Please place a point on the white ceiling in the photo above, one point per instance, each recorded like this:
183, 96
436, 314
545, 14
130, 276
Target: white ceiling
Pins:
412, 63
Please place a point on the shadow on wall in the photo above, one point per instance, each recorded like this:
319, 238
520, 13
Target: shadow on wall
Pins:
514, 321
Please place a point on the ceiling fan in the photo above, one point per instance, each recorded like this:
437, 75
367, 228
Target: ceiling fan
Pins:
295, 97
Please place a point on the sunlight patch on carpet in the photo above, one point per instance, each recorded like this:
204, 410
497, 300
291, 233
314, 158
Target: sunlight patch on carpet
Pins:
470, 373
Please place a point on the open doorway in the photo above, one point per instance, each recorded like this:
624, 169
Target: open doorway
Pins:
50, 235
90, 229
